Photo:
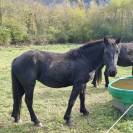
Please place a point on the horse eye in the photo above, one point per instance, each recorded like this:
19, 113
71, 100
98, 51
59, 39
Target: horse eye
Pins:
117, 51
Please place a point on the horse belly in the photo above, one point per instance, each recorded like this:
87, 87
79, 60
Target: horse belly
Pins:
56, 79
51, 82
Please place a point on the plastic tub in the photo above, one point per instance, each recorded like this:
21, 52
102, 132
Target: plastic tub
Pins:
122, 93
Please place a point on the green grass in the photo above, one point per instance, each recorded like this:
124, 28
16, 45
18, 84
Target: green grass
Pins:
50, 104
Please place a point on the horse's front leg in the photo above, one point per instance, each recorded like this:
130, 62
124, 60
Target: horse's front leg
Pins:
82, 101
75, 92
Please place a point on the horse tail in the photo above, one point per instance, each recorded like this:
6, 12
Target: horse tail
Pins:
14, 80
16, 87
99, 76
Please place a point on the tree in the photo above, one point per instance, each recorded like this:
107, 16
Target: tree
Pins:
1, 12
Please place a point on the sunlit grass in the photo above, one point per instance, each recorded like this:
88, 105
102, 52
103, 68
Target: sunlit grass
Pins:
50, 104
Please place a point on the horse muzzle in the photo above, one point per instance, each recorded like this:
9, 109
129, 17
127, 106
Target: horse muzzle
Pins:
112, 73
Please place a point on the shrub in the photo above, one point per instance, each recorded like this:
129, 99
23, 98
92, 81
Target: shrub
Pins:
18, 34
65, 23
5, 36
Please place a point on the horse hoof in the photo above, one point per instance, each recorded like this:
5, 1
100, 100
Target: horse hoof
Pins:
19, 121
12, 119
86, 113
39, 125
69, 123
94, 85
15, 121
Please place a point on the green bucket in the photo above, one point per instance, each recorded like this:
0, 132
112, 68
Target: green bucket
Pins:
122, 97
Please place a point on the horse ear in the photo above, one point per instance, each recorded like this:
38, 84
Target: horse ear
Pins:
117, 40
106, 40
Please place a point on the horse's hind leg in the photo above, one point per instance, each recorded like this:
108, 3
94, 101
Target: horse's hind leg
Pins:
97, 76
29, 90
94, 82
106, 78
132, 70
18, 93
75, 92
82, 101
17, 105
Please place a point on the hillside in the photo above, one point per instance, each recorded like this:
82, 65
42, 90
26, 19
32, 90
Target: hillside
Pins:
87, 2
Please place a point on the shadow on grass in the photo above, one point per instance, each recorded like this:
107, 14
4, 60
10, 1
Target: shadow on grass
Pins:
92, 89
104, 115
22, 128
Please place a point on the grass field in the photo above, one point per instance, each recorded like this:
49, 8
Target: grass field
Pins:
50, 104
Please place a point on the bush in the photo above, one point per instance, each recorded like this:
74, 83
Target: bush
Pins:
18, 34
5, 36
62, 23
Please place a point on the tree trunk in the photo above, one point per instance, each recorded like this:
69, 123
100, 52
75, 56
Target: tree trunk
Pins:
0, 12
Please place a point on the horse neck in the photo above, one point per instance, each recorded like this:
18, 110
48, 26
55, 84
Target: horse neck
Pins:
93, 54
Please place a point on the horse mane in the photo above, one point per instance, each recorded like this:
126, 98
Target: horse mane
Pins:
91, 43
77, 52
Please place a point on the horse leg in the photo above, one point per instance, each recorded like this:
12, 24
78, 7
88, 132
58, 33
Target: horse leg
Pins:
106, 78
94, 82
29, 90
82, 101
97, 76
75, 92
132, 70
17, 105
18, 93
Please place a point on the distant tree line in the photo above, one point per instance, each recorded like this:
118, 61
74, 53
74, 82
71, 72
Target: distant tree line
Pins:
30, 21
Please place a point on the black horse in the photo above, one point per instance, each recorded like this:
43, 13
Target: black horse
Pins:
125, 59
75, 68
